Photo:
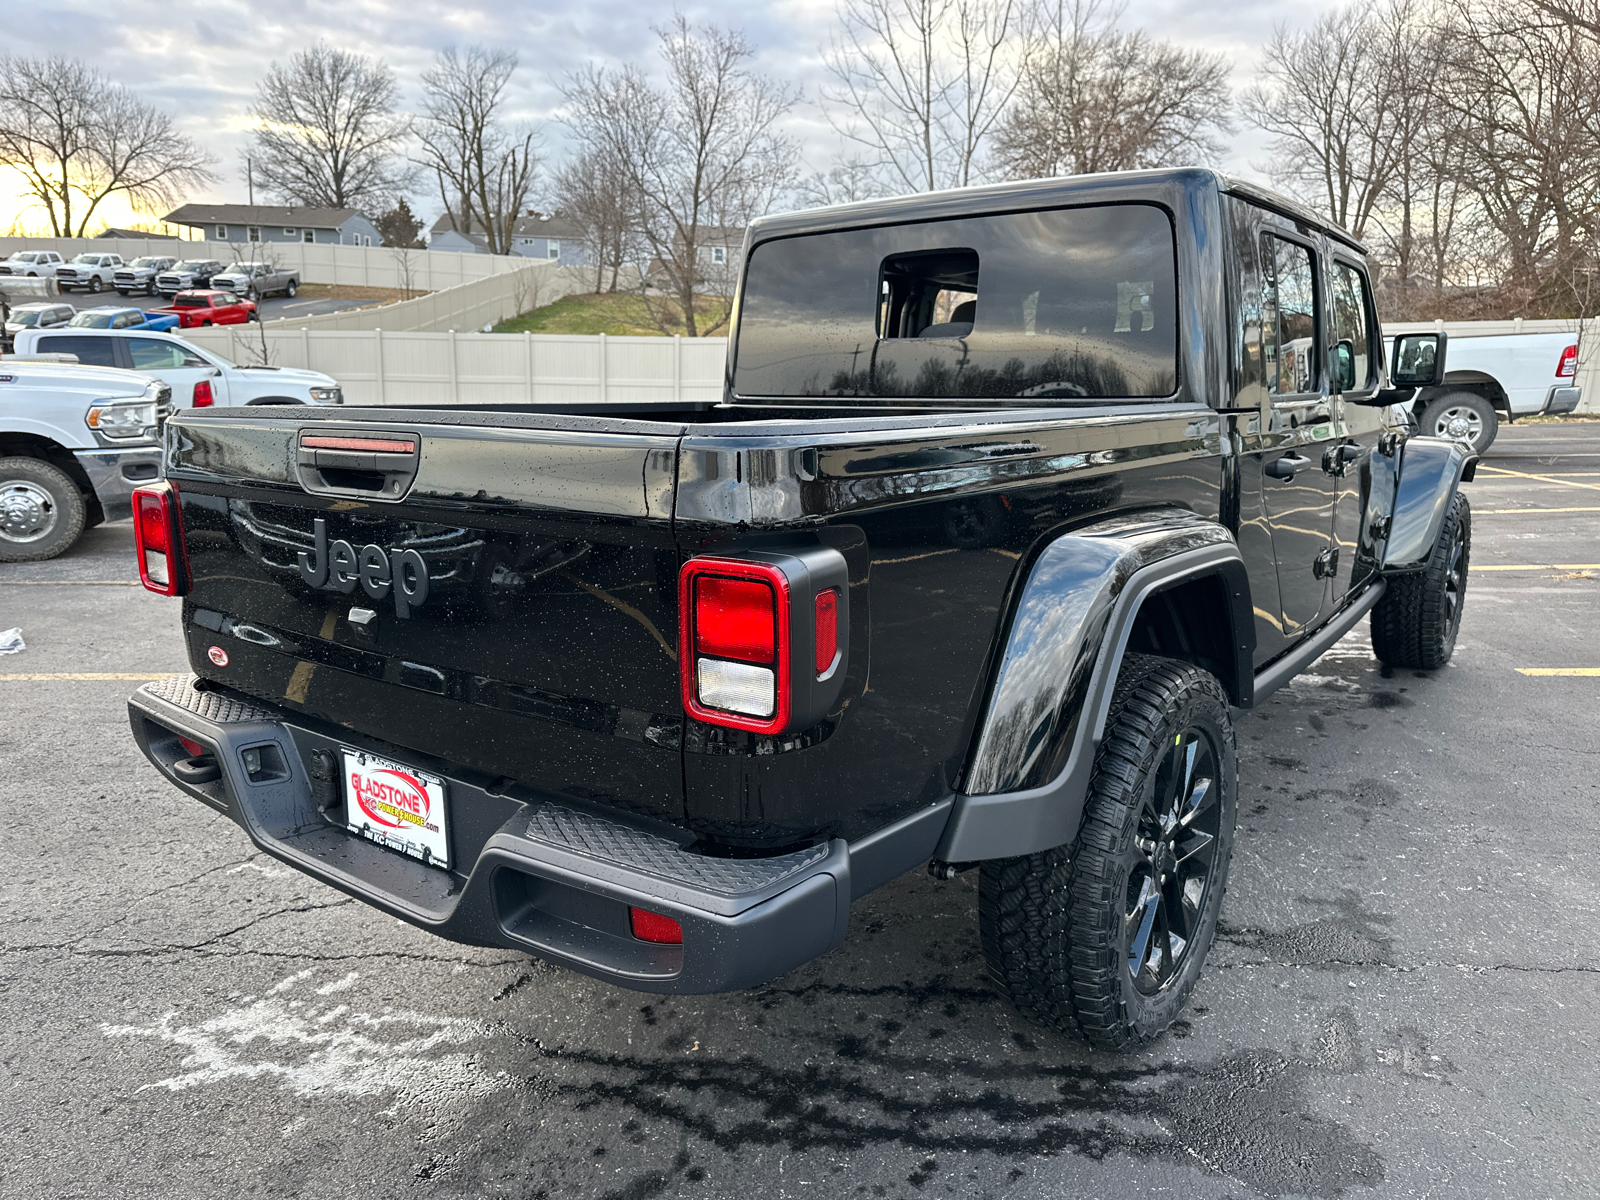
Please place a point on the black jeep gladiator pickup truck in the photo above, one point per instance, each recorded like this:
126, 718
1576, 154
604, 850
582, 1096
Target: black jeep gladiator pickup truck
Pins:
1014, 495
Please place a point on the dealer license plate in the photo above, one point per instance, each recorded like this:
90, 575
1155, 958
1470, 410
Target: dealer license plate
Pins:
396, 806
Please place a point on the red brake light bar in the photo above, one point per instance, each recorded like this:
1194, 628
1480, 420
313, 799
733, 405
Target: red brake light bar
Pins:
360, 445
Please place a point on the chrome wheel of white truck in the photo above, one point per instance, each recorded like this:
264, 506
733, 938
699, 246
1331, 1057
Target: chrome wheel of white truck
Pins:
1462, 417
41, 511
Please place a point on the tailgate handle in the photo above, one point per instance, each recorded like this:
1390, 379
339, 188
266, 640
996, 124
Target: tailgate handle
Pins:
374, 465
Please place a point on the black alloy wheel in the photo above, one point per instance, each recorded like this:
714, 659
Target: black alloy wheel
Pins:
1106, 937
1416, 622
1174, 863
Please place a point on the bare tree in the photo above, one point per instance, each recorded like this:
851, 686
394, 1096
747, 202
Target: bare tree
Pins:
1328, 94
1525, 89
484, 166
701, 153
595, 192
327, 131
1093, 98
848, 181
921, 84
75, 139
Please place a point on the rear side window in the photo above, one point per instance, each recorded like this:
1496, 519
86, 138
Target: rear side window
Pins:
1352, 322
149, 354
1289, 317
1077, 303
91, 351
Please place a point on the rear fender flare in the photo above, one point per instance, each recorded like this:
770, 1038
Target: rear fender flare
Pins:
1047, 709
1427, 471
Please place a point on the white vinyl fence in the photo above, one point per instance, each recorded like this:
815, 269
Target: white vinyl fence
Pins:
466, 306
364, 266
378, 366
385, 366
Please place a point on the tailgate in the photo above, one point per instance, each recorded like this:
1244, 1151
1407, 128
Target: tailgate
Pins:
513, 613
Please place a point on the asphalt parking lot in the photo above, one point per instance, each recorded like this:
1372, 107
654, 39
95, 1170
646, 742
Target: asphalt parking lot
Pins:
1404, 1000
272, 307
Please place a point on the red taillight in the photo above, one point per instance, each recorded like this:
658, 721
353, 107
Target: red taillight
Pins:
653, 927
735, 618
734, 643
202, 394
193, 749
158, 535
1569, 363
827, 643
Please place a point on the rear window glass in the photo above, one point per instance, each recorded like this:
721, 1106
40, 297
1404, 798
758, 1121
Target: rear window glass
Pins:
91, 351
1069, 304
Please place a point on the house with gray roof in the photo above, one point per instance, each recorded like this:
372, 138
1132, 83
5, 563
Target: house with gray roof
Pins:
242, 223
545, 236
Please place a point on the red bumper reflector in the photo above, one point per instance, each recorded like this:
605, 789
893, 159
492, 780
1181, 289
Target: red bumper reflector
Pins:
653, 927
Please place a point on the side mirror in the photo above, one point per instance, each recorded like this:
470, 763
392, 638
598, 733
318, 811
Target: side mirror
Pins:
1344, 364
1418, 360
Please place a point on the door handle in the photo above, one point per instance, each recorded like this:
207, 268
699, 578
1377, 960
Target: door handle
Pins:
1285, 467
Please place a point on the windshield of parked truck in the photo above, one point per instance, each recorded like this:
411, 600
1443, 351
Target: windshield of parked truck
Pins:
27, 318
1066, 304
93, 320
189, 300
153, 264
91, 260
192, 265
243, 269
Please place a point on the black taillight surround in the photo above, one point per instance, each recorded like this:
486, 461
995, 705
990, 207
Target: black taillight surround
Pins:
797, 576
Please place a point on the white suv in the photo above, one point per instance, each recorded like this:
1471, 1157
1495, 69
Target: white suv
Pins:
199, 378
93, 272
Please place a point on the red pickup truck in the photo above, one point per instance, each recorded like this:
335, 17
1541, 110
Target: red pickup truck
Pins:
209, 307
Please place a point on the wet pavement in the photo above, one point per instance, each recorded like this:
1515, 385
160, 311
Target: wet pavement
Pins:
1402, 1002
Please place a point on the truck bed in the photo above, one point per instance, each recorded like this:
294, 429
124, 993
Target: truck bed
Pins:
546, 651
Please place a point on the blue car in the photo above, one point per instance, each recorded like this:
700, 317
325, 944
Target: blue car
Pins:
113, 316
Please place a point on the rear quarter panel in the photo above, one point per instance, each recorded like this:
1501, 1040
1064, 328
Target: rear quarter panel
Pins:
938, 528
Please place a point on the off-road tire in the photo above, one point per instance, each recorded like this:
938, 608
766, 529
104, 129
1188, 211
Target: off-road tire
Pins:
1415, 622
1055, 925
34, 477
1488, 419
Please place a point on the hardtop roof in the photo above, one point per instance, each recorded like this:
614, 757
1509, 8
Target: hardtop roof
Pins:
1009, 197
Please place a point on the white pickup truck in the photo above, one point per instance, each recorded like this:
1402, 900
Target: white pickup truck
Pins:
74, 443
1498, 377
199, 378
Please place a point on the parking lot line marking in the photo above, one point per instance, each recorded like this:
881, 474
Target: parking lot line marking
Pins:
1497, 512
1539, 567
1593, 487
1583, 672
87, 676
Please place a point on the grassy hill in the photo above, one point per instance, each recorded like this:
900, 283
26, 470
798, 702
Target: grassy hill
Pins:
620, 314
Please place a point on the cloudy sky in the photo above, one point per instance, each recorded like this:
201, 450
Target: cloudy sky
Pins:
202, 60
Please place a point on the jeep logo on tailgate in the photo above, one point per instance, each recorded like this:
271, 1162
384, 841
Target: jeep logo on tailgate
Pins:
339, 567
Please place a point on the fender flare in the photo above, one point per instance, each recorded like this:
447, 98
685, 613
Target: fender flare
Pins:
1426, 473
1058, 672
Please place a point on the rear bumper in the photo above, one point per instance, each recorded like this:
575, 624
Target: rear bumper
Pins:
532, 872
1562, 400
115, 473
